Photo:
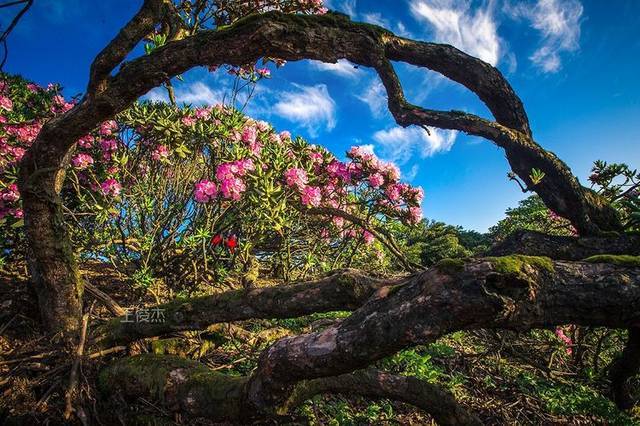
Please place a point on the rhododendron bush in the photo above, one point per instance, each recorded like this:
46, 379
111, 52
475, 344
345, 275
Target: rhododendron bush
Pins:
188, 194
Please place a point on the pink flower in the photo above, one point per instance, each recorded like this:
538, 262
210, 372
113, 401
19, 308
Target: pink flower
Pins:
311, 196
10, 194
82, 161
205, 191
393, 192
188, 121
391, 171
110, 187
17, 213
565, 339
33, 88
339, 169
296, 177
285, 136
376, 180
86, 141
368, 237
5, 103
415, 215
108, 145
232, 188
263, 72
108, 128
160, 153
203, 113
249, 135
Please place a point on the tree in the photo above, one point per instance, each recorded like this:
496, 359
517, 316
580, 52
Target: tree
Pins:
510, 292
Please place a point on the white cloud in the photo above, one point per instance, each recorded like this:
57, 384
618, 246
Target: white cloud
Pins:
399, 143
558, 22
342, 68
309, 106
197, 93
375, 96
346, 6
413, 172
455, 23
375, 19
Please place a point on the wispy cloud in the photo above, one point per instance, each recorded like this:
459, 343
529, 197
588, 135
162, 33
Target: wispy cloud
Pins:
558, 22
311, 107
196, 93
346, 6
375, 96
342, 68
453, 22
399, 144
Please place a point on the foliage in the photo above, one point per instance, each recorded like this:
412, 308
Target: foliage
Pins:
430, 241
188, 194
620, 185
532, 215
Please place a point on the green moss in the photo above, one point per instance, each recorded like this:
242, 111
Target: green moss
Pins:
513, 264
622, 260
450, 266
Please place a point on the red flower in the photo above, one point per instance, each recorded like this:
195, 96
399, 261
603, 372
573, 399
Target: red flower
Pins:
216, 240
232, 242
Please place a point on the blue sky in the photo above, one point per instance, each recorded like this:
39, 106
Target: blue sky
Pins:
574, 64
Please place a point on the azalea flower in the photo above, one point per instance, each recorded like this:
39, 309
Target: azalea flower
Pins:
311, 196
111, 187
82, 161
205, 191
296, 177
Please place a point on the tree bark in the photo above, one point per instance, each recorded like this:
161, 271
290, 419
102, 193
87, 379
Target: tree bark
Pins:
514, 292
566, 248
344, 290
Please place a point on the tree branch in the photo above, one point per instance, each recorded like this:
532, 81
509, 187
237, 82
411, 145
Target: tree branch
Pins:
345, 290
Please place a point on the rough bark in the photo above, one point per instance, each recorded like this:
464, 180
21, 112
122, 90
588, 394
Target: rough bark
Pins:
345, 290
189, 388
624, 368
566, 248
514, 292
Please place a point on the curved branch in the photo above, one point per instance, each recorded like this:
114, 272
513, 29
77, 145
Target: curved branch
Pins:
190, 388
515, 292
141, 25
345, 290
564, 247
373, 383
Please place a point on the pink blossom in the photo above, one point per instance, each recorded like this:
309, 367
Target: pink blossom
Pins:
565, 339
232, 188
188, 121
5, 103
263, 126
393, 192
368, 237
391, 171
339, 169
86, 141
202, 113
285, 136
161, 152
296, 177
264, 72
111, 187
10, 194
205, 191
311, 196
376, 180
415, 215
108, 146
17, 213
82, 161
34, 88
249, 135
108, 128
